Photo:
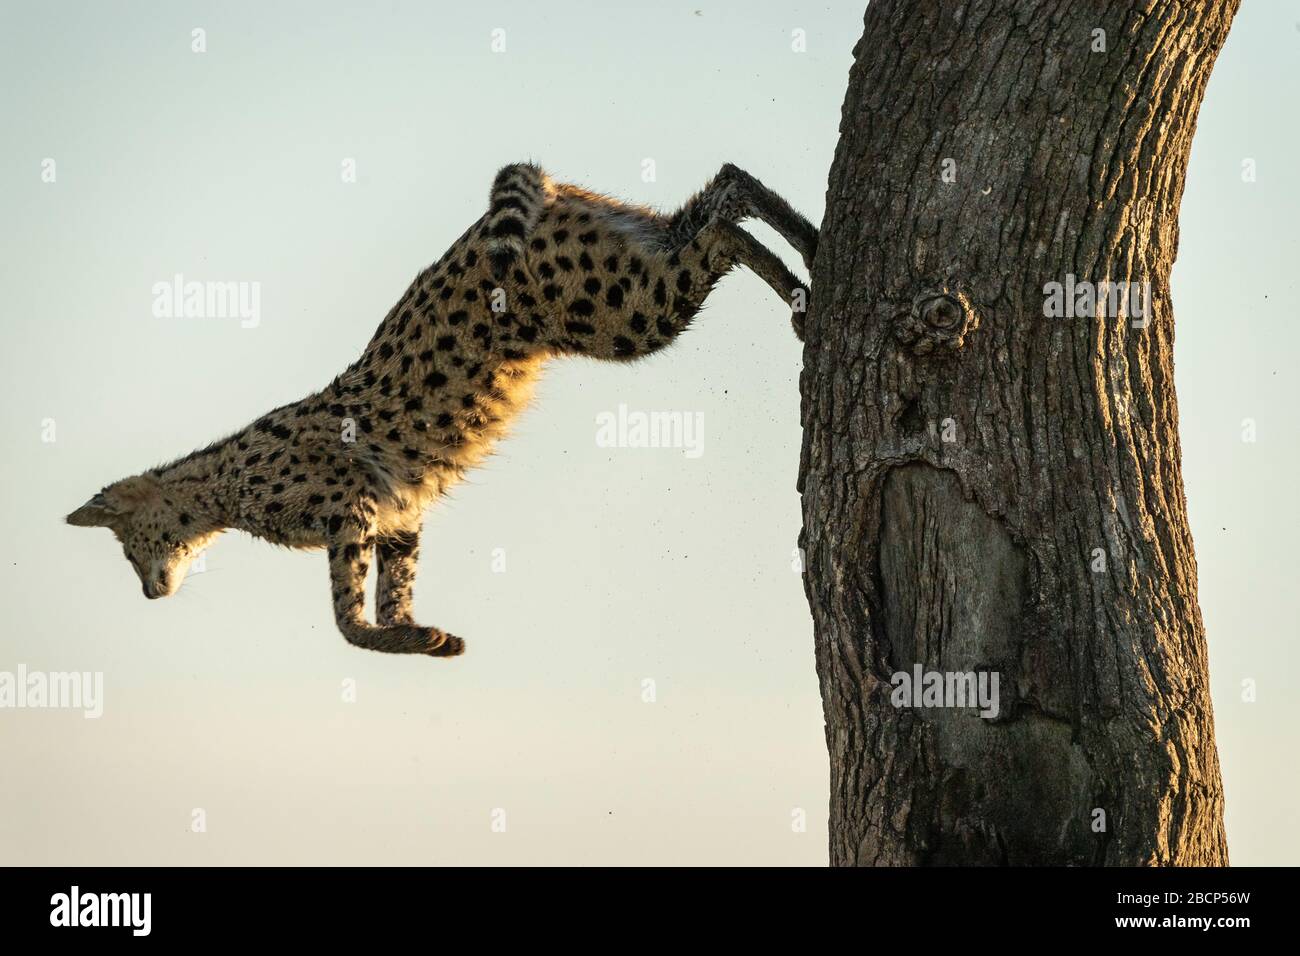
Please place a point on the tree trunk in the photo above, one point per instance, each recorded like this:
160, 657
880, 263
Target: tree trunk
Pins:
989, 488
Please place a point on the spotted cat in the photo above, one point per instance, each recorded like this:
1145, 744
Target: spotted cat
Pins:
551, 269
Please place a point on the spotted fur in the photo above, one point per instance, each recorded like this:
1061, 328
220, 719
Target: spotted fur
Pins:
551, 269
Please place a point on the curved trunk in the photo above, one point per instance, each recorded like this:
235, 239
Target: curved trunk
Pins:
991, 468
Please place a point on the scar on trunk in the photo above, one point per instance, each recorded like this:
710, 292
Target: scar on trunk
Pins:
953, 591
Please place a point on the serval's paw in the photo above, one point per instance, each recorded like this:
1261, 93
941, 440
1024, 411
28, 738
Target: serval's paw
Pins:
799, 303
442, 644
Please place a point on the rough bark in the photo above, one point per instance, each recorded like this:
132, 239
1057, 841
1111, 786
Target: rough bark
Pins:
966, 460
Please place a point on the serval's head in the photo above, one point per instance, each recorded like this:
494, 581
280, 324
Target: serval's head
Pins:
158, 536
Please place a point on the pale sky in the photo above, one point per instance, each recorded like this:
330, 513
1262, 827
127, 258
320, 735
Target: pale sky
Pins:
621, 565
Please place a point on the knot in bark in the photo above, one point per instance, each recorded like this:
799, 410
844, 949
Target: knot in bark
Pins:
938, 320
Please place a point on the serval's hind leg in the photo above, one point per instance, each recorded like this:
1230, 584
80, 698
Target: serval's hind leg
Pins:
735, 195
722, 244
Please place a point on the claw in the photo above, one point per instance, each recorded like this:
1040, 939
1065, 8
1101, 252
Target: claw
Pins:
442, 644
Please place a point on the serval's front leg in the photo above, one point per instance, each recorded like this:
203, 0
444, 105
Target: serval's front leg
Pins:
398, 556
349, 562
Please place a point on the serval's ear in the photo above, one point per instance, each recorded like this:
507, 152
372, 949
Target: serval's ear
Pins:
95, 513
